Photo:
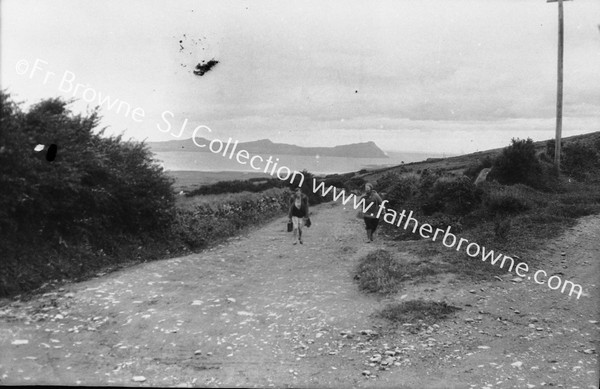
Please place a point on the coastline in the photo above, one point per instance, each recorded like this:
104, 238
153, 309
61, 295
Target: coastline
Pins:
188, 180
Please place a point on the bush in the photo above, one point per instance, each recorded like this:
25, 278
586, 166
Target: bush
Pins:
443, 221
400, 189
97, 191
580, 160
356, 183
337, 182
452, 195
386, 181
473, 170
518, 164
428, 179
550, 149
95, 184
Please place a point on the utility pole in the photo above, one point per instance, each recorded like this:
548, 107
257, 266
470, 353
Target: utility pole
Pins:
559, 84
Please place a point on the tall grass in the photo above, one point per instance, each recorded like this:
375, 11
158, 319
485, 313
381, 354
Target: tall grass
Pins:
380, 272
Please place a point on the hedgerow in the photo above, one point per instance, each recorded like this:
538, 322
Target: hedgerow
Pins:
98, 190
102, 202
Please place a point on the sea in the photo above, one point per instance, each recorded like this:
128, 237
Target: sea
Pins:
210, 162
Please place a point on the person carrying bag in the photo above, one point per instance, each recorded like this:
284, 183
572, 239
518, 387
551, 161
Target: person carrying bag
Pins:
298, 215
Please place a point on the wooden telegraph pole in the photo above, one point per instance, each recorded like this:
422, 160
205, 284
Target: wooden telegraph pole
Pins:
559, 84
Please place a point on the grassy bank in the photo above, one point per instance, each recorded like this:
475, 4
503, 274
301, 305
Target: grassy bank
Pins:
522, 207
512, 218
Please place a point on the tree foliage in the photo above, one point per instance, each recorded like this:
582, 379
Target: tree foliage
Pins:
96, 186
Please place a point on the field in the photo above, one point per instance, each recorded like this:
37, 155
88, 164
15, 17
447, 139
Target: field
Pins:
457, 164
190, 180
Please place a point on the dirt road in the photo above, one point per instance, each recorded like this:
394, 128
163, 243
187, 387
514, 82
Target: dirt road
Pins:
259, 311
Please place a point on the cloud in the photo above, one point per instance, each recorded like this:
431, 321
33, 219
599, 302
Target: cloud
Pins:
304, 68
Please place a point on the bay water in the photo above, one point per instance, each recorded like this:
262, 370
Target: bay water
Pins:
209, 162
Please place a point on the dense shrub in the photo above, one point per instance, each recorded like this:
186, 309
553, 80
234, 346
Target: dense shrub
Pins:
474, 169
580, 160
356, 183
97, 191
402, 190
452, 195
428, 179
95, 184
386, 181
550, 149
337, 182
518, 163
443, 221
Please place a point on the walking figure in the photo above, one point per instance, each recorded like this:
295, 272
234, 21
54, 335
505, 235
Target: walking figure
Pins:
371, 219
298, 214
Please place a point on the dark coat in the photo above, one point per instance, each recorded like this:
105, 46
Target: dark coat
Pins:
303, 208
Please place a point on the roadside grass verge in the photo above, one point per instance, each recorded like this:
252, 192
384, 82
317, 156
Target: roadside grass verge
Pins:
551, 214
513, 220
380, 272
417, 311
454, 262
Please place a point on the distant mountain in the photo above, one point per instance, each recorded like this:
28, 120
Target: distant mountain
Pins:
265, 146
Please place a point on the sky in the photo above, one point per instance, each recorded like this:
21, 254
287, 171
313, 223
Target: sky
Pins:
433, 76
